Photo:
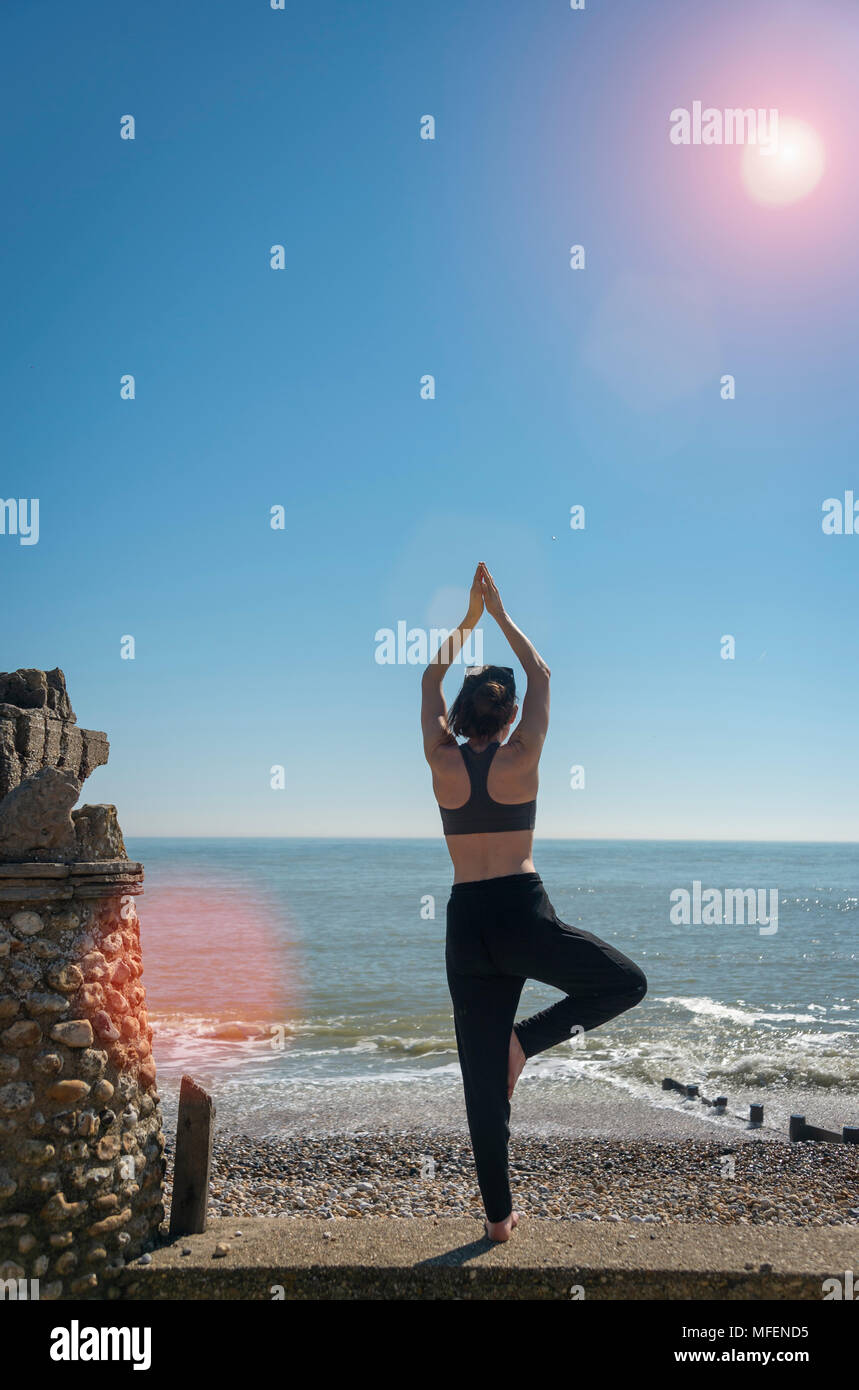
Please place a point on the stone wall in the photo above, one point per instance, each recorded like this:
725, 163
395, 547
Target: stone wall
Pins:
81, 1145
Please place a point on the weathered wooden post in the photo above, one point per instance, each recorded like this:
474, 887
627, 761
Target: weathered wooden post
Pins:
756, 1113
823, 1136
796, 1128
193, 1162
668, 1084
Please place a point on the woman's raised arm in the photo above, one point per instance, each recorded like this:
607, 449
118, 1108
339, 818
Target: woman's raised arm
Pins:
531, 730
433, 708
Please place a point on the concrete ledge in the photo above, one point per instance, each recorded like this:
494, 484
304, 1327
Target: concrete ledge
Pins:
446, 1258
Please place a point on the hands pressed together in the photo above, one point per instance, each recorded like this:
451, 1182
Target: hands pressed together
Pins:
484, 594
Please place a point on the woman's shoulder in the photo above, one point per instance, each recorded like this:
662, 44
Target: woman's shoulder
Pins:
446, 754
515, 756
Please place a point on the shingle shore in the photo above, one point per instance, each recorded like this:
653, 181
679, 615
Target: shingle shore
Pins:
419, 1174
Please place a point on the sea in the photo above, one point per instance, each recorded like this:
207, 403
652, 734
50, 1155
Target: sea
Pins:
302, 981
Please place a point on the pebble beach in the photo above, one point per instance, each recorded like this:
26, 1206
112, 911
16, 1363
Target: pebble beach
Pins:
376, 1176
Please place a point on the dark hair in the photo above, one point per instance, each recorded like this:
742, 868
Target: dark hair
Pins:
485, 702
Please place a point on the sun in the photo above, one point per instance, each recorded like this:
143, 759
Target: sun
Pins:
791, 172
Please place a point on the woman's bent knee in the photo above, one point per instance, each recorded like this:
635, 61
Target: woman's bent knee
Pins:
637, 984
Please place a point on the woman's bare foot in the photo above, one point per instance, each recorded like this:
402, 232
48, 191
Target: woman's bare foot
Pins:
515, 1063
502, 1230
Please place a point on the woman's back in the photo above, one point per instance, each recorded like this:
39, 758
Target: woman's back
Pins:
487, 798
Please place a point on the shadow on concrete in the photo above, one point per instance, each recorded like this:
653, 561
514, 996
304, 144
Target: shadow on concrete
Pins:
460, 1254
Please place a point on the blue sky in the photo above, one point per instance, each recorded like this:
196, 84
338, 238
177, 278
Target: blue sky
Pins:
554, 387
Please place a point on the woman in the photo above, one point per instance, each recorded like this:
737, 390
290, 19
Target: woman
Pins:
501, 927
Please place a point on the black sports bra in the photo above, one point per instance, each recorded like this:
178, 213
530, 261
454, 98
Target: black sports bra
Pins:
480, 814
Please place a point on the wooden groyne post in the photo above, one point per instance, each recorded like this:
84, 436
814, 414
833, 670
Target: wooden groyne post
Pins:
693, 1092
193, 1163
799, 1131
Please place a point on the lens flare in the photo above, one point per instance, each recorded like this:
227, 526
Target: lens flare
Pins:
791, 171
222, 969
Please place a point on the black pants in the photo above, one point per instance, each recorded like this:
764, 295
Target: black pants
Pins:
501, 932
